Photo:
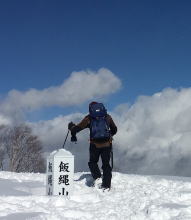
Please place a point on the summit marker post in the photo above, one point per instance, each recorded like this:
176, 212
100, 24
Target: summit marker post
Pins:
60, 173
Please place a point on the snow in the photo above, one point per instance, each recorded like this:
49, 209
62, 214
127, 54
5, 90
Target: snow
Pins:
132, 197
61, 153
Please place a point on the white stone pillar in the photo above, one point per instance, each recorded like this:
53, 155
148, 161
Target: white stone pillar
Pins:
60, 173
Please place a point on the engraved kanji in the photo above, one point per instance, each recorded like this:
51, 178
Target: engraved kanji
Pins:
64, 167
64, 179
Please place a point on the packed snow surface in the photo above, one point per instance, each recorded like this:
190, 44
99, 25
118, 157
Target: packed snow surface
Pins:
132, 197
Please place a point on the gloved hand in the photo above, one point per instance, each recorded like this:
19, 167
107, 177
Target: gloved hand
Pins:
71, 125
73, 138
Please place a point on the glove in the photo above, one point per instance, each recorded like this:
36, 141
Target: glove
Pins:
73, 138
71, 125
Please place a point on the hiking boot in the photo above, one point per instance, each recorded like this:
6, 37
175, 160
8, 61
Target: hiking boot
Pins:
97, 182
106, 189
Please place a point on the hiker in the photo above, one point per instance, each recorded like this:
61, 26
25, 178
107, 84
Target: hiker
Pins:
102, 128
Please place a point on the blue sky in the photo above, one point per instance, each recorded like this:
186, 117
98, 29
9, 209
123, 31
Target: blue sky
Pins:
145, 43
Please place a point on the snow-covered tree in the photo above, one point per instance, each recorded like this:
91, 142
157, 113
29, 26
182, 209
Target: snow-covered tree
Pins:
23, 149
2, 146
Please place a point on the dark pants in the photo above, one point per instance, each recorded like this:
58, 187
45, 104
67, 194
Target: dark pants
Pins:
105, 153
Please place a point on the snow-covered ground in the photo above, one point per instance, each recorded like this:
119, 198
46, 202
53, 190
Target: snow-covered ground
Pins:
133, 197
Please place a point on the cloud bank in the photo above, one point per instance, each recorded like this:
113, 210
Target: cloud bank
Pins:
154, 135
77, 89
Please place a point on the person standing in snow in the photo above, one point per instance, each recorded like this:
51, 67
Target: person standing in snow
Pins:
102, 128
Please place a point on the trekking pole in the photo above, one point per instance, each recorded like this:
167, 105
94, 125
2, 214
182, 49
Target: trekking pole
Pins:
66, 138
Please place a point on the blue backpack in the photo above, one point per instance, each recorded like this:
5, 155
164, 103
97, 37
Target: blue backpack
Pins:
99, 128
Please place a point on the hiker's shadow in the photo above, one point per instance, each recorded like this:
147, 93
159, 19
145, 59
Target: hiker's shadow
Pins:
88, 177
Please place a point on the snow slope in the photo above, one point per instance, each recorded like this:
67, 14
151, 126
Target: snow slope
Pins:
133, 197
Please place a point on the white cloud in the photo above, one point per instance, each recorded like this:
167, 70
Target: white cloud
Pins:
77, 89
154, 135
5, 120
53, 132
